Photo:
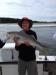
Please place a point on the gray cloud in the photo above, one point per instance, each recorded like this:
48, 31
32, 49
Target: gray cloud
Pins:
35, 9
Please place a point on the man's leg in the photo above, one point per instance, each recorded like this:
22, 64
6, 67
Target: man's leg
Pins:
21, 67
32, 68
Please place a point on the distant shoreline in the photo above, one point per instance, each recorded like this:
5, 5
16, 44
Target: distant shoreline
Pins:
15, 20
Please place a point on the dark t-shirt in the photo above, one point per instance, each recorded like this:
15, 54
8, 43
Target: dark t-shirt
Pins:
27, 53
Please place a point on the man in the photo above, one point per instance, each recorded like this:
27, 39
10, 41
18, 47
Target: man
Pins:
27, 57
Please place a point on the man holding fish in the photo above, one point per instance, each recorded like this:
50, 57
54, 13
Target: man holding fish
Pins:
26, 51
27, 57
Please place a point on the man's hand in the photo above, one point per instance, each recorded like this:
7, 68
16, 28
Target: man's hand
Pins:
17, 42
26, 42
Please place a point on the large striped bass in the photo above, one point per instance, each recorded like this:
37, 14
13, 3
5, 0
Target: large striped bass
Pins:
22, 36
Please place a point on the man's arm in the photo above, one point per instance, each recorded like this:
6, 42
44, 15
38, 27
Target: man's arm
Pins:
1, 43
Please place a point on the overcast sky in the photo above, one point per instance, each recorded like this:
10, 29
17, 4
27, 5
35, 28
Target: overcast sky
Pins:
34, 9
